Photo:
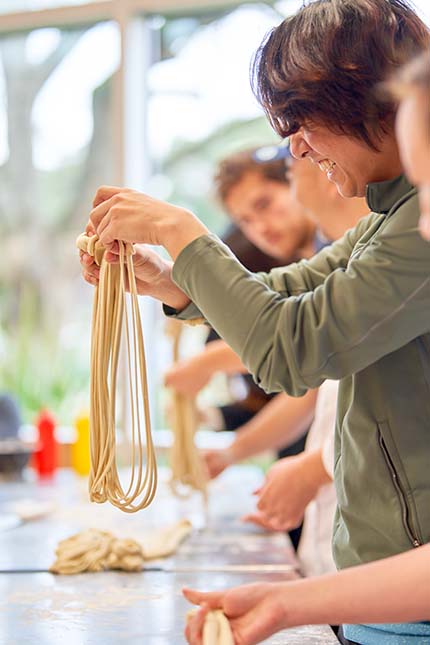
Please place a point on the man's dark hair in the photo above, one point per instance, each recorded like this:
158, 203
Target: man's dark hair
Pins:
232, 169
323, 63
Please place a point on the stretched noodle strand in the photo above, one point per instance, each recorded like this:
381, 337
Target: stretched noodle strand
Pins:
185, 462
110, 315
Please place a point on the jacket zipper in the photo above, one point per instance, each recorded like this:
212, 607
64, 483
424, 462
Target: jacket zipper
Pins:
400, 492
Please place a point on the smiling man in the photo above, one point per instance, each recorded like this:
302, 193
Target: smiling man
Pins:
357, 312
259, 200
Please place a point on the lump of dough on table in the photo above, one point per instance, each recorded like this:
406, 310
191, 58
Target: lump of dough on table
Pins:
166, 541
95, 550
125, 554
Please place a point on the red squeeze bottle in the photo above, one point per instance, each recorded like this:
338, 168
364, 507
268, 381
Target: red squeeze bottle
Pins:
45, 457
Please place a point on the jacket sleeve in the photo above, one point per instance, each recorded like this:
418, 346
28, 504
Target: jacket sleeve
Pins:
306, 275
354, 312
295, 278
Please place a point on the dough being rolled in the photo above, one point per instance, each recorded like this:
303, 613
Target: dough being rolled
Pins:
216, 628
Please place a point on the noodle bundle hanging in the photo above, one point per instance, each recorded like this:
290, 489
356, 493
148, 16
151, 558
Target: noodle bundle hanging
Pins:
110, 316
185, 461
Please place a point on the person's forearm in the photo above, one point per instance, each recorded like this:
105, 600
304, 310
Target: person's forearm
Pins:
396, 589
281, 422
180, 230
219, 357
169, 292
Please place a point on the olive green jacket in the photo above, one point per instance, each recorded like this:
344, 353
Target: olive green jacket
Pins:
359, 311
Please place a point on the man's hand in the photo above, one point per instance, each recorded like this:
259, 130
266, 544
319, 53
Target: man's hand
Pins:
255, 612
153, 274
290, 485
188, 376
129, 216
264, 522
217, 460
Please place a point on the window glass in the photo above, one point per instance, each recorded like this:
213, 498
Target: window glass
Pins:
55, 110
201, 106
200, 109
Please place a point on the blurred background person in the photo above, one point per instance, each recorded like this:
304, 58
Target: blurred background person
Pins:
258, 199
299, 487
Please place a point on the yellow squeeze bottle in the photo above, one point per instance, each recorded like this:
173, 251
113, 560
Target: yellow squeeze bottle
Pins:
81, 447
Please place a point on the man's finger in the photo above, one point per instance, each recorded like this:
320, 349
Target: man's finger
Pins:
88, 277
100, 211
90, 230
104, 193
114, 247
195, 625
86, 259
112, 258
89, 266
255, 519
263, 502
212, 598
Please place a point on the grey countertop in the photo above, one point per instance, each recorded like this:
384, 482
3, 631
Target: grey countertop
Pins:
140, 608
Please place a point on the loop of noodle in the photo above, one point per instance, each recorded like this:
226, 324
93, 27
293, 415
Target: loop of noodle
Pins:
110, 314
185, 461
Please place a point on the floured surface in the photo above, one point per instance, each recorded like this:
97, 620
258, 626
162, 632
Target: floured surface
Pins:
110, 608
51, 602
33, 546
134, 608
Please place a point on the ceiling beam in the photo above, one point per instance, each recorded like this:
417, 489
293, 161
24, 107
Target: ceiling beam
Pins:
104, 10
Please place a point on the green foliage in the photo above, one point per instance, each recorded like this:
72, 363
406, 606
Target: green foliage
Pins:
38, 369
191, 166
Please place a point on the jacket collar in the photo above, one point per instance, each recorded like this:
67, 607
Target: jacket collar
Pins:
381, 196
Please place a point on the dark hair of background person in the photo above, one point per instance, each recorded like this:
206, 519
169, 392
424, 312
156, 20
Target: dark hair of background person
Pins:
249, 255
232, 169
323, 64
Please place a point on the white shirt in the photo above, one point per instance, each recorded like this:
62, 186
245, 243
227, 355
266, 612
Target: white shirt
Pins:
315, 553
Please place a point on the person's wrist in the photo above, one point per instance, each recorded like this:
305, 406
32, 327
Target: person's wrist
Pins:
315, 471
309, 601
235, 452
179, 229
283, 604
295, 602
174, 297
203, 362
